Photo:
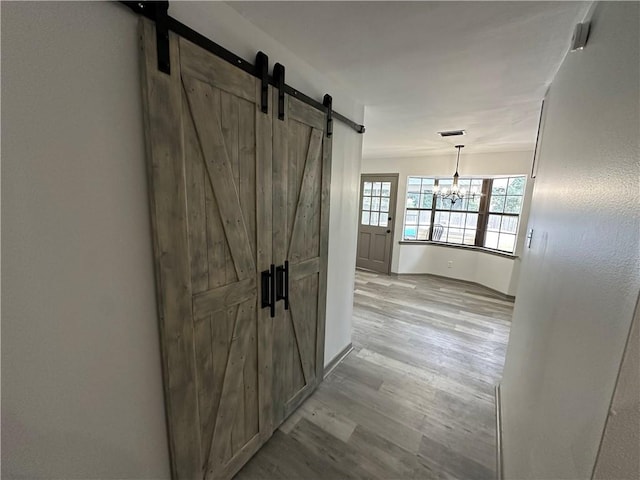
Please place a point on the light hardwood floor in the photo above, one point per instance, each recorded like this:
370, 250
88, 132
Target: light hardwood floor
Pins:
415, 397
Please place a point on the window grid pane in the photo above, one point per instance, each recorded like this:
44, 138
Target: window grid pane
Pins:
458, 222
505, 205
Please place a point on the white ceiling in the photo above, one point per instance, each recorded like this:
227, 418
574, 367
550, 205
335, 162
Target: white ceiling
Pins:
423, 67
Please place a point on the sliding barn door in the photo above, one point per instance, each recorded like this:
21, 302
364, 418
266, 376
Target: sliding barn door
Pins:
209, 150
301, 180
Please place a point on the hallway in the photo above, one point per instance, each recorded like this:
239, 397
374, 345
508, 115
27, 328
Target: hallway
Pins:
414, 399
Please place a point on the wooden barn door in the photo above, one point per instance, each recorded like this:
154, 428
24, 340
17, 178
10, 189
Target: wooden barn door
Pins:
301, 181
209, 150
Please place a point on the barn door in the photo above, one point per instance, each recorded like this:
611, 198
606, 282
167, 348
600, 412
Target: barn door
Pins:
301, 180
209, 150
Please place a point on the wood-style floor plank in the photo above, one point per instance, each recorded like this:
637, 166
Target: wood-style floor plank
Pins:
415, 397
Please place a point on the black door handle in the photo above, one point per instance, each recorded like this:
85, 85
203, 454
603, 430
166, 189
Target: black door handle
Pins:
268, 287
388, 231
282, 284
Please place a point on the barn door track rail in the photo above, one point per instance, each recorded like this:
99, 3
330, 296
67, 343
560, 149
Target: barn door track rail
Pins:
158, 12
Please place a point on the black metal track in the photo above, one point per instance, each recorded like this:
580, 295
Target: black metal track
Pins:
147, 9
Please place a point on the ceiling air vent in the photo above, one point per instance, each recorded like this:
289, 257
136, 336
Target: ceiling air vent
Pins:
452, 133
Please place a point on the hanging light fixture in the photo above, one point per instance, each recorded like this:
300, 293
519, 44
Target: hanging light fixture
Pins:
454, 192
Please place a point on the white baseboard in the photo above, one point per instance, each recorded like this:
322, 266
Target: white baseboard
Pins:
498, 400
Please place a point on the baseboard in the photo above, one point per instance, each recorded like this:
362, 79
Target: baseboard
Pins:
499, 472
335, 361
497, 293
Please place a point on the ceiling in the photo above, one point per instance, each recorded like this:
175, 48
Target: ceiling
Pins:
424, 67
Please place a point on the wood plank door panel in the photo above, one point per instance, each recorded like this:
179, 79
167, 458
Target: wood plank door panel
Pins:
209, 156
375, 225
301, 180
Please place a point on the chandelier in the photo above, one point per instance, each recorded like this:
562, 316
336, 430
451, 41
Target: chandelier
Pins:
454, 192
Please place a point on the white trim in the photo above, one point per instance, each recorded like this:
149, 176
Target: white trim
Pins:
498, 401
335, 361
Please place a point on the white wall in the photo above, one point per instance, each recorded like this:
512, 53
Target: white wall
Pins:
618, 456
81, 382
495, 272
579, 282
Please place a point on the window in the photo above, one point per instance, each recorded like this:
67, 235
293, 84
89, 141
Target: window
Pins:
375, 203
489, 220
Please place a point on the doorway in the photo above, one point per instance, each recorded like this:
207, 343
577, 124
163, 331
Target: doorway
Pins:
375, 223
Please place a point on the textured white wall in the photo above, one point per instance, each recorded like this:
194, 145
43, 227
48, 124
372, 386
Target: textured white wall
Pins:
619, 455
498, 273
579, 282
81, 382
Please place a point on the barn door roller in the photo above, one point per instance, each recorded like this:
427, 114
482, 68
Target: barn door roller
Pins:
158, 12
278, 76
327, 101
262, 65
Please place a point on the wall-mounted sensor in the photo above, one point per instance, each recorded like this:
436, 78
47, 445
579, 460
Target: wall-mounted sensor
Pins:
452, 133
580, 35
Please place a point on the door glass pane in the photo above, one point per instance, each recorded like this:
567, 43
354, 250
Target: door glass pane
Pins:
374, 218
377, 186
386, 189
384, 205
366, 203
383, 221
375, 204
367, 188
365, 218
506, 242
